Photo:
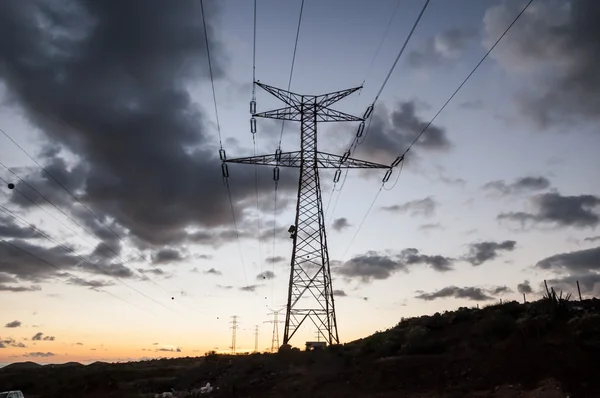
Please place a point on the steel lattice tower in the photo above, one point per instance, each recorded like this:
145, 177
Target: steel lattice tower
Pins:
310, 293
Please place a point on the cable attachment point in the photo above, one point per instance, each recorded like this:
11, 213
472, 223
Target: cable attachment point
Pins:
222, 154
368, 112
387, 175
345, 157
278, 155
361, 129
252, 107
336, 176
276, 174
225, 170
397, 161
253, 125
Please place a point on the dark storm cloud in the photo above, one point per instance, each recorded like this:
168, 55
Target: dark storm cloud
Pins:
339, 293
249, 288
265, 275
147, 153
425, 207
391, 133
213, 272
481, 252
374, 265
8, 229
167, 256
439, 263
441, 48
563, 40
592, 239
469, 293
340, 224
581, 261
19, 289
276, 259
576, 211
13, 324
524, 287
521, 185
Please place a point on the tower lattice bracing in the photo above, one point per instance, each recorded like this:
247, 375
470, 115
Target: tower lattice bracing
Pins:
310, 293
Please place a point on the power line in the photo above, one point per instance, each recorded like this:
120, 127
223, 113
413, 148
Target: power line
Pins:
140, 255
212, 81
237, 234
468, 76
400, 159
39, 232
292, 68
73, 276
144, 277
362, 221
368, 114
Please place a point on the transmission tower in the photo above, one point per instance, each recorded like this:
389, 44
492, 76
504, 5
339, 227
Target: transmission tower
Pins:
256, 338
310, 293
234, 326
275, 322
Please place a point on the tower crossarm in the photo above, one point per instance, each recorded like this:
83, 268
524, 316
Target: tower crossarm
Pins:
326, 100
290, 98
324, 161
287, 113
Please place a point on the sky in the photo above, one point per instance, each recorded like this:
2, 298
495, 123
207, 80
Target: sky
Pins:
123, 246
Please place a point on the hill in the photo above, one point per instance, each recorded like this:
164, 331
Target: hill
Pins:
64, 365
22, 365
542, 349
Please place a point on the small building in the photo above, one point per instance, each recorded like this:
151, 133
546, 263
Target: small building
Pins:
315, 345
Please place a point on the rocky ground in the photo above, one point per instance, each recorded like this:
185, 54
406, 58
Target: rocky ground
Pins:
549, 348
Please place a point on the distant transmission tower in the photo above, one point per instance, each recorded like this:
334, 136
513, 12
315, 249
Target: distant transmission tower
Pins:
310, 294
275, 322
234, 326
256, 338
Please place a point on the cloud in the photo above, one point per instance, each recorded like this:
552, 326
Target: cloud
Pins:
225, 287
248, 288
213, 272
374, 265
439, 263
555, 46
13, 324
589, 283
592, 239
500, 290
575, 211
78, 343
525, 287
469, 293
481, 252
19, 289
10, 342
430, 227
168, 349
521, 185
89, 282
8, 229
40, 336
442, 48
390, 133
276, 259
370, 266
425, 207
265, 275
136, 63
473, 104
341, 223
339, 293
39, 354
581, 261
168, 255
